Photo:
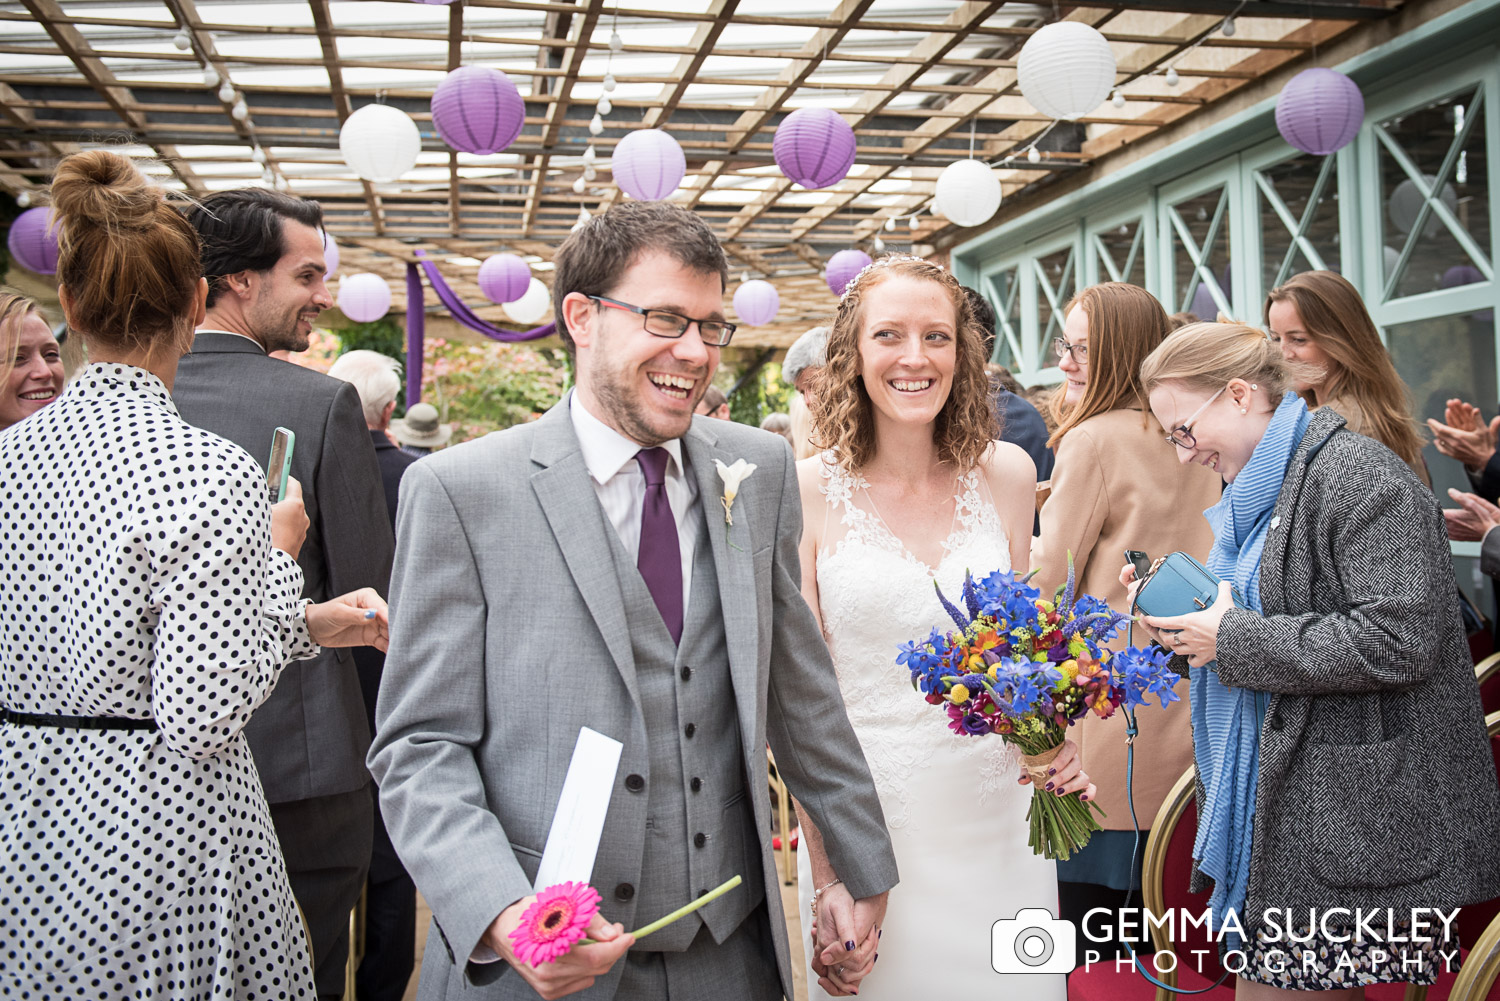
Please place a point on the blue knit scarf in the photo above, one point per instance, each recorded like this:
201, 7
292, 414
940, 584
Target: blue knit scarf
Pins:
1227, 721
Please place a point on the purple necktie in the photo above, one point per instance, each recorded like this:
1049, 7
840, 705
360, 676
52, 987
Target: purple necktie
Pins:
660, 558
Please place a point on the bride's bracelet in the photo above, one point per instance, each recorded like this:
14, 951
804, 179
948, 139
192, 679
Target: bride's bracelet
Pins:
818, 893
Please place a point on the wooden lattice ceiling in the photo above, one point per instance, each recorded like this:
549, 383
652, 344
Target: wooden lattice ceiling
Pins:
921, 81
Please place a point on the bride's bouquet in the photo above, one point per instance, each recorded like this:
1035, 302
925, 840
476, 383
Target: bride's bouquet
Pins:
1026, 669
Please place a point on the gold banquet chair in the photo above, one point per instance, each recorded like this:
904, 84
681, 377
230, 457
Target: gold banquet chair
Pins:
783, 818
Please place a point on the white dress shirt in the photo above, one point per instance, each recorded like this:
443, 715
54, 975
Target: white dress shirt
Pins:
621, 486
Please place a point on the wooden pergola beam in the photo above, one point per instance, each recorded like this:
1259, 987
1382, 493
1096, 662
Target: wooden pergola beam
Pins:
341, 104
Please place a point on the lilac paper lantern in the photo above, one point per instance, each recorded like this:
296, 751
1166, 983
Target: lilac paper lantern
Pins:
648, 165
843, 266
1320, 111
756, 302
814, 147
476, 109
330, 255
504, 278
33, 241
364, 297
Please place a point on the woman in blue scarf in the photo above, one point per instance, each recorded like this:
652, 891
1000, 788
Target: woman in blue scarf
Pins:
1346, 790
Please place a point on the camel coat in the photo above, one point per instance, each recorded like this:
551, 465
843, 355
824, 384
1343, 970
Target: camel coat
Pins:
1117, 485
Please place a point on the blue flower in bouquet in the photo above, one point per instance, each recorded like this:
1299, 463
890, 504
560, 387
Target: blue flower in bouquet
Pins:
1141, 674
1095, 617
928, 661
1005, 596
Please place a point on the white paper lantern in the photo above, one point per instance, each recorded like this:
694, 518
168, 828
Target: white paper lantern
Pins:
533, 307
379, 142
1406, 201
1066, 69
330, 255
364, 297
968, 192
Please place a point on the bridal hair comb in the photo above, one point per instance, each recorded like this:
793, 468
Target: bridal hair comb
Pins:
883, 262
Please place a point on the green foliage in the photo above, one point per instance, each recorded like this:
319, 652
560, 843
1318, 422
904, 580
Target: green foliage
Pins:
485, 387
762, 395
385, 335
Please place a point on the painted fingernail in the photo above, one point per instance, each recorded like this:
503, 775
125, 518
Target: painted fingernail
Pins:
849, 946
875, 960
1061, 793
1083, 796
1052, 771
878, 933
370, 614
1049, 785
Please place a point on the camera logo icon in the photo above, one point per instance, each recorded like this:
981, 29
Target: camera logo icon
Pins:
1033, 942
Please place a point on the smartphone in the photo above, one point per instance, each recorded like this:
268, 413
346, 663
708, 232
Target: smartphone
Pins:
1140, 560
279, 469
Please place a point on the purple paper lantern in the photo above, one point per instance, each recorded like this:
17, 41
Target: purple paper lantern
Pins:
364, 297
843, 266
1320, 111
814, 147
756, 302
648, 165
477, 109
330, 255
504, 278
33, 241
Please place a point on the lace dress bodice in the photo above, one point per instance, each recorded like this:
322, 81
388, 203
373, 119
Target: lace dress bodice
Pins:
875, 595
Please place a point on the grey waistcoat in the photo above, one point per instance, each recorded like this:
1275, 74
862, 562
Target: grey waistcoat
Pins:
700, 828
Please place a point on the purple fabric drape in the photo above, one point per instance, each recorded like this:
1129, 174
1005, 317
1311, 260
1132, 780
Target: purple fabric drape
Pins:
463, 314
416, 327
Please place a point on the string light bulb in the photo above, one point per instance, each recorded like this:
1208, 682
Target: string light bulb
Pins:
1229, 27
911, 224
589, 173
23, 199
605, 106
1118, 100
578, 185
1032, 156
240, 111
890, 225
226, 92
1172, 78
590, 155
879, 245
181, 41
258, 155
210, 77
609, 82
596, 124
616, 43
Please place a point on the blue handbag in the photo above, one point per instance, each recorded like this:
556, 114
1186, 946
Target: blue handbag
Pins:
1180, 585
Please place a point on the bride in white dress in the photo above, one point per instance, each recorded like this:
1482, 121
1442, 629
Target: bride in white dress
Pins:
913, 490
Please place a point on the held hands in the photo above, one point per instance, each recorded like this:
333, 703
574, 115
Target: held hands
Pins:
576, 969
1465, 436
289, 520
1472, 521
1066, 774
359, 618
846, 939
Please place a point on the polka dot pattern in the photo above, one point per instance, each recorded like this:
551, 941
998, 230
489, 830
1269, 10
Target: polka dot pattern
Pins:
137, 579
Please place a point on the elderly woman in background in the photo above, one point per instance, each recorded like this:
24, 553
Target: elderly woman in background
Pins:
1320, 322
1115, 488
804, 360
1340, 747
31, 368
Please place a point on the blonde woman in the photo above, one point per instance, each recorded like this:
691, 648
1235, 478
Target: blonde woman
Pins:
910, 491
1320, 322
1344, 775
31, 367
1115, 488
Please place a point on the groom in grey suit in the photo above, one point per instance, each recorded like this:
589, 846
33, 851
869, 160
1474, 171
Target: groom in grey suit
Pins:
586, 570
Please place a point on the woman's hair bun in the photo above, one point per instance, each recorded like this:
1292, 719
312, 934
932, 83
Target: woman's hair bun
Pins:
100, 188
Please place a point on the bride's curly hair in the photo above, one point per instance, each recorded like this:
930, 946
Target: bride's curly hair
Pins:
843, 416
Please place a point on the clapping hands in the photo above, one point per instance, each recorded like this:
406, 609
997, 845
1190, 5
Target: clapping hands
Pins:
1463, 435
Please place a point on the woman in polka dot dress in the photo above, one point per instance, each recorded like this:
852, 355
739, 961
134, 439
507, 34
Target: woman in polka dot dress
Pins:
144, 615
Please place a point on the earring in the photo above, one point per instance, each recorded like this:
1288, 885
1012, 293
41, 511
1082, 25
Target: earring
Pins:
1243, 410
1254, 386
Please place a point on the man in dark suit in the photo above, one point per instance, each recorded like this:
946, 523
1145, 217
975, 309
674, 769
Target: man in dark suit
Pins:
390, 894
263, 258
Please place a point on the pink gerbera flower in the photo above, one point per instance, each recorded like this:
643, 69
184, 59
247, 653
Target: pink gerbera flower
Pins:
554, 922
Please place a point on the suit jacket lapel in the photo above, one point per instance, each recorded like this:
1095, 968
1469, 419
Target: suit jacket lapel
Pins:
734, 567
566, 494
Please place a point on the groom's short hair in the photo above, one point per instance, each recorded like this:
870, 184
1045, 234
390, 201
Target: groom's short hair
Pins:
599, 252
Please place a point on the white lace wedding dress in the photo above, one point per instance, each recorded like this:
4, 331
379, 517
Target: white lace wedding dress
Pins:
957, 815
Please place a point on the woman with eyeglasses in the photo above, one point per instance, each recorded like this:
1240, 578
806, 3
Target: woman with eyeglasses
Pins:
1318, 319
1113, 489
1340, 748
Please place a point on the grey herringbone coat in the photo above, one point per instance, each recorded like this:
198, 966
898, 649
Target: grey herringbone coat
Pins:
1376, 785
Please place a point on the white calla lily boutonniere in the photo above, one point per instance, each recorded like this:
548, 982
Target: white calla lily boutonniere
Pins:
732, 476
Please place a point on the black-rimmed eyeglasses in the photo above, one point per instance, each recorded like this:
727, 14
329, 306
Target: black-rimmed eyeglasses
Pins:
664, 323
1182, 434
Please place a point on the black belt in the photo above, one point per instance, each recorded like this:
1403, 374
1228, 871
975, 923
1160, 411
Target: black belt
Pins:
76, 722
